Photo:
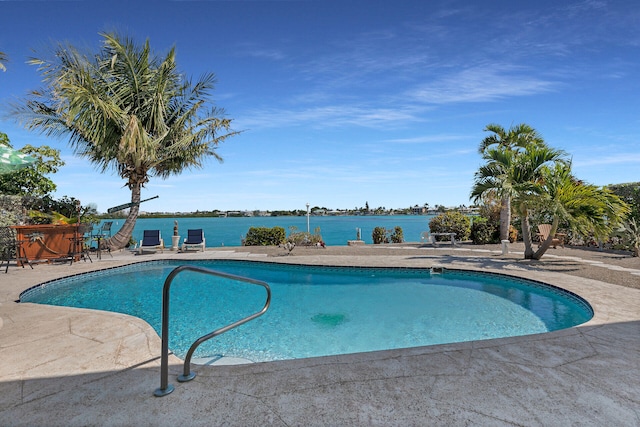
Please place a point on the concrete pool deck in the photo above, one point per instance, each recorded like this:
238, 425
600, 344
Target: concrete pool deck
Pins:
66, 367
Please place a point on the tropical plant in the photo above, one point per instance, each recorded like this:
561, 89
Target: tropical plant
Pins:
516, 174
516, 139
586, 208
631, 235
630, 194
126, 109
66, 210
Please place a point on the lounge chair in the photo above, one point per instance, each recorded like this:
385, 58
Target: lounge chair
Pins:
543, 234
195, 238
151, 240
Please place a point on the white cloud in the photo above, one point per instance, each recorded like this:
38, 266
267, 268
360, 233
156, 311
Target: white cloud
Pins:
427, 139
481, 84
330, 116
620, 158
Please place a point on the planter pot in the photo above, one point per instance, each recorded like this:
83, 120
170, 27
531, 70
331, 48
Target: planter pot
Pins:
175, 241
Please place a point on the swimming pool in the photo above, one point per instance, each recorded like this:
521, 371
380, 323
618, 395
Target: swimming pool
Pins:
317, 311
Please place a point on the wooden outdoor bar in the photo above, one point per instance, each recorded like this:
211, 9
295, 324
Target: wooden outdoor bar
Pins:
47, 242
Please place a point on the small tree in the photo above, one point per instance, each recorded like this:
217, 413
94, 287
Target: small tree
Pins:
32, 180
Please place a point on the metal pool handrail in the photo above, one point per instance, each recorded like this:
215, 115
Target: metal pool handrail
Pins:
165, 387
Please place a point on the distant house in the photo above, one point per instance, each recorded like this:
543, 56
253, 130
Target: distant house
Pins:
418, 210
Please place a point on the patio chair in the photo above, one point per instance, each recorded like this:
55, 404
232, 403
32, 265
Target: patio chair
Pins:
78, 248
195, 238
102, 233
151, 239
11, 249
543, 234
105, 229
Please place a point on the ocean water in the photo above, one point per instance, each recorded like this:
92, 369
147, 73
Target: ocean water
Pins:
335, 230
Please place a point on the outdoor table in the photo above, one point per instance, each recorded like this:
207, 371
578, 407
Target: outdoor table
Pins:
450, 235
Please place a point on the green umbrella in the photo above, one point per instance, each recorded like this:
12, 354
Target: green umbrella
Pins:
12, 160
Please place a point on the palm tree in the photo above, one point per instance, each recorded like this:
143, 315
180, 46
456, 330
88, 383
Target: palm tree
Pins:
127, 110
586, 208
515, 175
3, 59
516, 139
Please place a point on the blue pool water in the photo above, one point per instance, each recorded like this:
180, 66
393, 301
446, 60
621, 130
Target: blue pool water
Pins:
318, 311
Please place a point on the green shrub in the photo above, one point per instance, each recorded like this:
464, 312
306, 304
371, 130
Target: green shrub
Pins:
451, 222
382, 235
379, 235
484, 231
302, 238
264, 236
397, 236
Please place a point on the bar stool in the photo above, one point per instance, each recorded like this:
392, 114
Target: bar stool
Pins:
77, 248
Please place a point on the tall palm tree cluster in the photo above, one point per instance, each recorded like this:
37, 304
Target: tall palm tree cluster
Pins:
529, 176
126, 109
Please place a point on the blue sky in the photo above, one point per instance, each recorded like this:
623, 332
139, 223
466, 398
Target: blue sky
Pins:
343, 102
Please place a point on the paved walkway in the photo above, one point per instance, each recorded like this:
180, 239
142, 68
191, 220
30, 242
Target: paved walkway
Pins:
64, 367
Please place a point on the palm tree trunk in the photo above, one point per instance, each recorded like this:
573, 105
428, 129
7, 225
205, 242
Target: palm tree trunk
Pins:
526, 234
505, 217
122, 237
547, 243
